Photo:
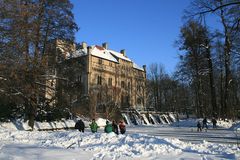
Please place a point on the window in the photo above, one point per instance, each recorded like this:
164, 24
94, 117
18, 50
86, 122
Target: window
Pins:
138, 88
110, 64
110, 81
99, 80
122, 84
100, 61
99, 98
129, 85
125, 101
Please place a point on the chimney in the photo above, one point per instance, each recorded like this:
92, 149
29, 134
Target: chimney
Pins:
105, 45
144, 68
84, 45
123, 52
89, 50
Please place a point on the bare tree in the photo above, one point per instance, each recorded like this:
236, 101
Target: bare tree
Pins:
34, 26
228, 12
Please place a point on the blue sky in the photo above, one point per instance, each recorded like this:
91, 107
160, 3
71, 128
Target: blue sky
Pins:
147, 29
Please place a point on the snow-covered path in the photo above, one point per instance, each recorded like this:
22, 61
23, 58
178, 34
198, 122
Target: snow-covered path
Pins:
189, 134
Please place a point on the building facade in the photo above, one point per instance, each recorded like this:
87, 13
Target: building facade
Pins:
105, 77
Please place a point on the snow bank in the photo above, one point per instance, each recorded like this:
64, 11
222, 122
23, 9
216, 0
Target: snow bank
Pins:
34, 152
101, 122
47, 145
21, 125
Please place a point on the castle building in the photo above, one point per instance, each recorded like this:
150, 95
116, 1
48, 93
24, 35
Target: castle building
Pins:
106, 77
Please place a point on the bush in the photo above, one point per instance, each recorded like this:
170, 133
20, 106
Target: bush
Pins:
53, 114
10, 110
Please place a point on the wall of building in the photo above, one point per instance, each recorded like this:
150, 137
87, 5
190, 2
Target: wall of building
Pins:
128, 81
104, 79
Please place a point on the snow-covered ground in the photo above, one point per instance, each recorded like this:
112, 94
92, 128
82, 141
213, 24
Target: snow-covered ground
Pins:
16, 144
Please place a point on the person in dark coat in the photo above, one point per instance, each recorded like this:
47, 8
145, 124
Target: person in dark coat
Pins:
199, 127
214, 122
80, 125
122, 127
115, 127
205, 123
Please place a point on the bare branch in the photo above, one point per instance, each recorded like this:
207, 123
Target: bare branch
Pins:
44, 85
211, 10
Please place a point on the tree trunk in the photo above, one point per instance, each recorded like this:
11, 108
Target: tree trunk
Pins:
212, 84
227, 51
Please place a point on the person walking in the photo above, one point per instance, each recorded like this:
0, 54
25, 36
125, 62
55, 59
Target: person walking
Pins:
80, 125
93, 126
115, 127
199, 127
108, 128
205, 123
122, 127
214, 122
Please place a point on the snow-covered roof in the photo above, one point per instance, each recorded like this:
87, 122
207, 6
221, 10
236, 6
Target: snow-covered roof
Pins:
107, 54
97, 51
137, 67
119, 55
102, 53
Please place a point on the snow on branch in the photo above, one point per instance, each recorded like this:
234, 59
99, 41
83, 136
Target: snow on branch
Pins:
44, 85
10, 94
2, 78
54, 77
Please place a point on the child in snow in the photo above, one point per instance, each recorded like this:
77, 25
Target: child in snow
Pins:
122, 127
108, 128
93, 126
199, 127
